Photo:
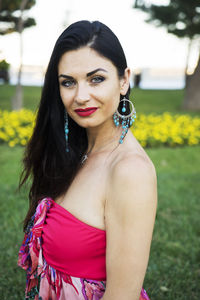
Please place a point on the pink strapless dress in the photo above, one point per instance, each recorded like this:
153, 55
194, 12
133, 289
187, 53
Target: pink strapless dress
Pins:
64, 258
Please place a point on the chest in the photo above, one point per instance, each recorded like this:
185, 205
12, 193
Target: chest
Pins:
85, 198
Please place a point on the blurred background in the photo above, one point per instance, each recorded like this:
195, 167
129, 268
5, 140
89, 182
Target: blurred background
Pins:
161, 41
160, 57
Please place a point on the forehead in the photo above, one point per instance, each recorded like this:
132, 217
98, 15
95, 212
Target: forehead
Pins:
84, 60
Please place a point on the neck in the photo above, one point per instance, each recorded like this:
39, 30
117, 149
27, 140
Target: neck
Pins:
102, 135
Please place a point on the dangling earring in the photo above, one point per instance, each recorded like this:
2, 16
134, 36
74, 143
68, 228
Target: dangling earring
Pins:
66, 131
127, 120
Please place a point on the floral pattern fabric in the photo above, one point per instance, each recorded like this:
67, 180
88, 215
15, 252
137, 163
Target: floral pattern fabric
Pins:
43, 282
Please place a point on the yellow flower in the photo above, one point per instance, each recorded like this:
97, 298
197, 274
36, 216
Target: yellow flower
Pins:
151, 130
11, 143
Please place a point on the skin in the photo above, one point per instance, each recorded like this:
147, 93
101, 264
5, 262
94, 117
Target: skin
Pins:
83, 91
116, 189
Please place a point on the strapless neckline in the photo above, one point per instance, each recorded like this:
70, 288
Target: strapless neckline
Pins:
78, 220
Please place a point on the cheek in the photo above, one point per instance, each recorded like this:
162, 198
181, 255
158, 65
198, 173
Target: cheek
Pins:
109, 92
113, 97
110, 102
66, 97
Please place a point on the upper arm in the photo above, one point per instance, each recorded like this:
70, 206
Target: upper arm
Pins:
130, 211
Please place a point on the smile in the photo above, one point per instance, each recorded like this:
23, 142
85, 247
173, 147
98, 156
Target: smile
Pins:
86, 112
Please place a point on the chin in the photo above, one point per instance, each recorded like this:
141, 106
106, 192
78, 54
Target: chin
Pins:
89, 123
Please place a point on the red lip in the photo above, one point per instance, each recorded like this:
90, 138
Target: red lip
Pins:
86, 112
86, 109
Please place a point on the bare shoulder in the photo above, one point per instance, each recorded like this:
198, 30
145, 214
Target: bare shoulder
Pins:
130, 210
132, 185
133, 168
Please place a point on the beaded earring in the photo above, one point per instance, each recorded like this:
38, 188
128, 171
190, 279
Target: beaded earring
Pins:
66, 131
127, 120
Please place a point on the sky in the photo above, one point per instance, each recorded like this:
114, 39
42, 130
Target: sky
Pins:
145, 45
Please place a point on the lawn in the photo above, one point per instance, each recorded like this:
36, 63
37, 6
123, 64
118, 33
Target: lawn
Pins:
174, 269
145, 101
31, 96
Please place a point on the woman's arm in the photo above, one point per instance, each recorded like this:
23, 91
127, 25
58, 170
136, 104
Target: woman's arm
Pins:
130, 211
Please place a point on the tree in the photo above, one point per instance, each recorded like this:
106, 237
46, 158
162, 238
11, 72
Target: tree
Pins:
4, 68
12, 16
181, 18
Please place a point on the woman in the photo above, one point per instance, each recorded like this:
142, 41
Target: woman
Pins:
93, 195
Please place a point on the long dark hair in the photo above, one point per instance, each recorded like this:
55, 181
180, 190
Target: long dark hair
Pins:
46, 163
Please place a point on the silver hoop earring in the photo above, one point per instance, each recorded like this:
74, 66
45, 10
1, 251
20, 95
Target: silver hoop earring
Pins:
127, 120
133, 111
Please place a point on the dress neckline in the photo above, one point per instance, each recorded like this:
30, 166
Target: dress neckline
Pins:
66, 211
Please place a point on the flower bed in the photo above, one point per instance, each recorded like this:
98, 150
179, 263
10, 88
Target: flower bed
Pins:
150, 130
16, 126
166, 129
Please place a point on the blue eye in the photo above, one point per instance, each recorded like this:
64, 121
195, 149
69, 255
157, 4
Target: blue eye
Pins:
67, 83
98, 79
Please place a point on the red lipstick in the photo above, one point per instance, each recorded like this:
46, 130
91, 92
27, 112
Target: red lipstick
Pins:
86, 112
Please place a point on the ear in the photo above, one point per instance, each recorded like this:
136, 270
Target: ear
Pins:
125, 81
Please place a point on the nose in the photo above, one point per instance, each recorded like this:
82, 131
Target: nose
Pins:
82, 94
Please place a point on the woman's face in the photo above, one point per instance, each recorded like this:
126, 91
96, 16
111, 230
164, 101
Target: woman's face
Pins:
88, 80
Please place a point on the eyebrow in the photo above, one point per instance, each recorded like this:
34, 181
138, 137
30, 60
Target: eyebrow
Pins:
93, 72
88, 74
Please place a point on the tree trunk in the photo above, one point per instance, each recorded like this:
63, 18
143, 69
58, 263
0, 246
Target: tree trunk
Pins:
17, 100
192, 91
187, 59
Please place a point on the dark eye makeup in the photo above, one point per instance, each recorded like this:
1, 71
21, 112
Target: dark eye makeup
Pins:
67, 83
97, 79
94, 80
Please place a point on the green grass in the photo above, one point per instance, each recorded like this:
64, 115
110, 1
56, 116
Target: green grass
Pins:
31, 96
145, 101
174, 258
12, 209
174, 265
159, 101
